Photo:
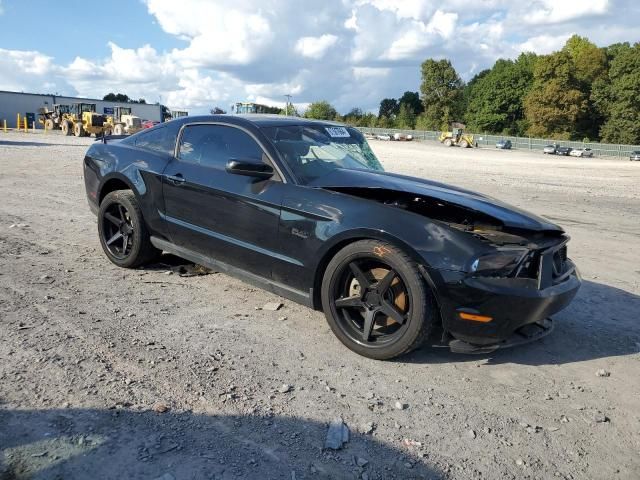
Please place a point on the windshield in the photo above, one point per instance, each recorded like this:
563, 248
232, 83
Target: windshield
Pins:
313, 151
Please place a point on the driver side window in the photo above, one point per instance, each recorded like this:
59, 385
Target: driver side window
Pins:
214, 145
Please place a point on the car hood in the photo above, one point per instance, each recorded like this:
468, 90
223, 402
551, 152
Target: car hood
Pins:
508, 215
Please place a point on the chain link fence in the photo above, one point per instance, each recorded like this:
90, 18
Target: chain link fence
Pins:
520, 143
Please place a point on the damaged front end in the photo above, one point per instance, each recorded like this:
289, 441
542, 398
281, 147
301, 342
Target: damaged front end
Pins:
515, 274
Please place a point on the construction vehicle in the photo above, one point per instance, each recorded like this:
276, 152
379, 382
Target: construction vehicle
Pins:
123, 122
82, 120
51, 119
457, 137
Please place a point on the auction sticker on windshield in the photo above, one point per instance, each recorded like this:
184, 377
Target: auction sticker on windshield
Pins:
337, 132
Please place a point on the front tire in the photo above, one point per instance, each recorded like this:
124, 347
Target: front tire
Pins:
66, 128
78, 130
123, 234
376, 301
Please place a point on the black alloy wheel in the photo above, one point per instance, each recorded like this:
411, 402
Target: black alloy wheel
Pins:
117, 230
375, 300
370, 301
122, 231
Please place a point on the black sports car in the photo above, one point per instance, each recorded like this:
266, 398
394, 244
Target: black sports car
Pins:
304, 209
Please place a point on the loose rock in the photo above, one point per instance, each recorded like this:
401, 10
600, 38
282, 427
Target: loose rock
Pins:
285, 388
401, 406
160, 407
272, 306
337, 435
368, 428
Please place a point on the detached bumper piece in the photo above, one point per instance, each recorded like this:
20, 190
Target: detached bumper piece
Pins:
525, 334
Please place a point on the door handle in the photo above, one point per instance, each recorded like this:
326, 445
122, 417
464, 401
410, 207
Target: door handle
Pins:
176, 179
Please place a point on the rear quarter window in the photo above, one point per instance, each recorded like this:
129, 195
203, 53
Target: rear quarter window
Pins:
160, 139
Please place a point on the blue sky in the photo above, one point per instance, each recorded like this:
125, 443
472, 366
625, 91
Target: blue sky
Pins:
93, 24
196, 54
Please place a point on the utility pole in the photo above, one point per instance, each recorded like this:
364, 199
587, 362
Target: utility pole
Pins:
286, 108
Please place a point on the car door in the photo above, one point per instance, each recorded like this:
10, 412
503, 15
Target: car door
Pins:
228, 217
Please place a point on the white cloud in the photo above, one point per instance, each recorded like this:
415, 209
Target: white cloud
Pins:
543, 44
1, 9
315, 47
219, 33
559, 11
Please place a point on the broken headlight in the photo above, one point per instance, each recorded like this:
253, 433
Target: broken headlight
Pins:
502, 262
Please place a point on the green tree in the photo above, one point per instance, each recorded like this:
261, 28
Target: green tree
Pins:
589, 61
589, 67
555, 102
384, 122
354, 116
441, 90
422, 123
322, 110
412, 100
406, 118
617, 97
388, 108
289, 110
495, 98
121, 97
368, 120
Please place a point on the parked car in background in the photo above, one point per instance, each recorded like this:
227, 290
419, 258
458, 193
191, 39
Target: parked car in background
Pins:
635, 156
549, 149
563, 151
383, 136
581, 152
503, 144
149, 123
402, 137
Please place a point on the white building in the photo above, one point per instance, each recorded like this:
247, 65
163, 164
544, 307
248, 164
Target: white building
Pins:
28, 104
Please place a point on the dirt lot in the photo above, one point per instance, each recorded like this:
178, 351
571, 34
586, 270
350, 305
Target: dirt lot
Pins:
90, 353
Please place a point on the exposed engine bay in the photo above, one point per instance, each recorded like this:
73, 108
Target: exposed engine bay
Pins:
474, 222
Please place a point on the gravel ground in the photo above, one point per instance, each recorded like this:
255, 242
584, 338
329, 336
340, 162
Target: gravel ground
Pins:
112, 373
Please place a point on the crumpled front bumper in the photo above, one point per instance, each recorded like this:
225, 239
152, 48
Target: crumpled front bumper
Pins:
512, 303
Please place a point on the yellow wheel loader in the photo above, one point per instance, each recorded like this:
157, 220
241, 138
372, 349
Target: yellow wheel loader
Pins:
457, 137
83, 121
51, 119
123, 122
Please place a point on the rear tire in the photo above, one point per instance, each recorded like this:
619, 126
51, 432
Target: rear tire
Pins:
78, 130
122, 231
118, 130
374, 317
66, 128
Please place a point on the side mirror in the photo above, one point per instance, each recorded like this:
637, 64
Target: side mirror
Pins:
250, 168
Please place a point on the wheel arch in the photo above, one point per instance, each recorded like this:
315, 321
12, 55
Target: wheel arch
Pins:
112, 183
346, 238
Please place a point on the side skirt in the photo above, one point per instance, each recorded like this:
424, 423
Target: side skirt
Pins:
297, 296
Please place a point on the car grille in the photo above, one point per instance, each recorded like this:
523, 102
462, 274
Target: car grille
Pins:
549, 266
554, 266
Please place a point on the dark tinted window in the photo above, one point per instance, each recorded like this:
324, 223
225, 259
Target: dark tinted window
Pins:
215, 145
159, 139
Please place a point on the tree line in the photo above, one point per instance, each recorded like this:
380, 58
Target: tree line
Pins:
581, 92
